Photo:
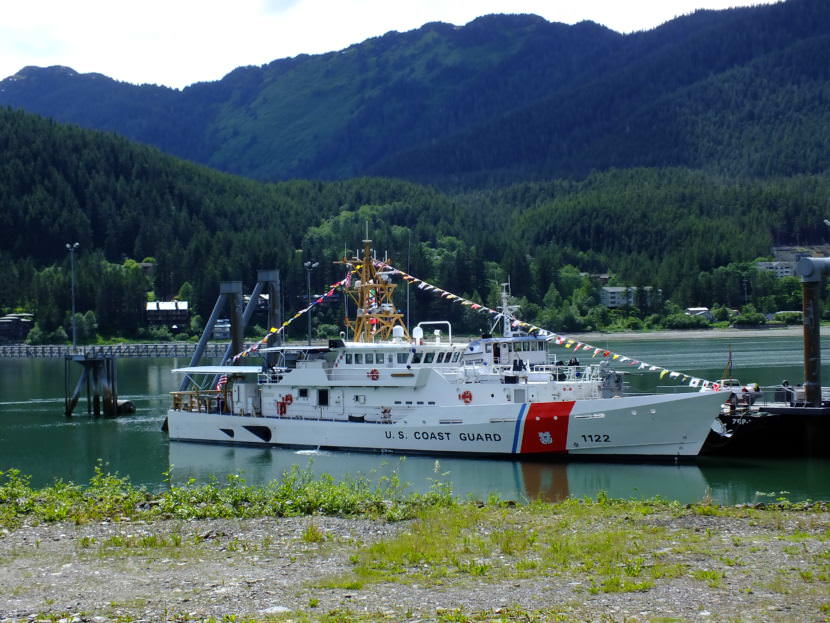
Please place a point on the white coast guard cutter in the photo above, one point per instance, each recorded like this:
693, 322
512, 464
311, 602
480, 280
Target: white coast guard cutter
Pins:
387, 391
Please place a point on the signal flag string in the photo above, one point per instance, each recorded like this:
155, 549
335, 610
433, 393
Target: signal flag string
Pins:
550, 336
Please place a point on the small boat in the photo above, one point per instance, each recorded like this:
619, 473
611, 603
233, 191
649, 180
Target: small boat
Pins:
386, 390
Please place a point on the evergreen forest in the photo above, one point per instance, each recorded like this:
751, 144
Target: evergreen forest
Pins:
151, 225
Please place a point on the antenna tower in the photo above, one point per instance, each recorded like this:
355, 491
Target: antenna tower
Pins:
372, 295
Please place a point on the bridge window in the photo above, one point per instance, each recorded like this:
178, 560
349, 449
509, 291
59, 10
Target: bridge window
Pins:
348, 358
416, 357
403, 357
358, 358
428, 357
370, 358
455, 356
440, 358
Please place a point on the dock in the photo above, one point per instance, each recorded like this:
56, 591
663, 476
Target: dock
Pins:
773, 428
161, 350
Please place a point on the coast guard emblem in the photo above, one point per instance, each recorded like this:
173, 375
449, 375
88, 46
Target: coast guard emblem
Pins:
545, 438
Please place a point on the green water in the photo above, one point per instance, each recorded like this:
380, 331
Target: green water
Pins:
36, 438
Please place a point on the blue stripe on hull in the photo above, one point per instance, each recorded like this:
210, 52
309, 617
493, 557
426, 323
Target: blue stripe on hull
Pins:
518, 428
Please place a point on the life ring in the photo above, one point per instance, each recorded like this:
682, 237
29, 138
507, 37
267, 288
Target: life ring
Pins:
466, 396
373, 374
288, 399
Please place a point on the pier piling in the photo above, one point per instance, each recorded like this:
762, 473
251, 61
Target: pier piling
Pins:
811, 270
98, 375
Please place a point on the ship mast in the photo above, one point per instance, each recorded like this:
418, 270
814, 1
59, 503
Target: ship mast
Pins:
372, 295
507, 311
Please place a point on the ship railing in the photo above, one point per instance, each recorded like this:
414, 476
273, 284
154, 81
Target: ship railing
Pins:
200, 401
273, 375
570, 374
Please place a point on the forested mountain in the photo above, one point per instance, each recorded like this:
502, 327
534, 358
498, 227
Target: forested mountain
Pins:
687, 232
503, 99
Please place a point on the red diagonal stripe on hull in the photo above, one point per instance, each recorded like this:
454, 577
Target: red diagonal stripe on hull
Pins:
546, 427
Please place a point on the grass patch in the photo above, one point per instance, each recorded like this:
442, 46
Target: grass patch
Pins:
297, 492
602, 539
313, 533
712, 577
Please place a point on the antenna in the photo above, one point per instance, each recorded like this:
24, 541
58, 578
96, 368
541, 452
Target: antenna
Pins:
507, 309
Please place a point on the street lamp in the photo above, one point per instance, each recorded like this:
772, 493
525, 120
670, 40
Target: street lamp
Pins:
72, 248
309, 266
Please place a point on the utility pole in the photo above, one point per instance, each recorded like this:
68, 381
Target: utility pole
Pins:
309, 266
408, 270
72, 248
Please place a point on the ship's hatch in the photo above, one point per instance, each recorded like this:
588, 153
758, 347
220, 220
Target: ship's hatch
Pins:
263, 432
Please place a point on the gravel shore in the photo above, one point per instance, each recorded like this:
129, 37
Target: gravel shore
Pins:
767, 567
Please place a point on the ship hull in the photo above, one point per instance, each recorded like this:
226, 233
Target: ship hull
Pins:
654, 425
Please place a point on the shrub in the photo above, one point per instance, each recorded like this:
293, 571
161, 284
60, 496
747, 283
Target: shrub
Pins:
685, 321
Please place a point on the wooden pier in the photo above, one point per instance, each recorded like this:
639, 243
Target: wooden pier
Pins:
161, 350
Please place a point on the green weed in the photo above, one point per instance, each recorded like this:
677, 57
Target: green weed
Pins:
313, 533
712, 577
87, 541
297, 492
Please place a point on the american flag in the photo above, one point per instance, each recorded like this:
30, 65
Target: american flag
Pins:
222, 382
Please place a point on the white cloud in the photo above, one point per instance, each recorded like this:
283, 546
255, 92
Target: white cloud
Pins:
179, 42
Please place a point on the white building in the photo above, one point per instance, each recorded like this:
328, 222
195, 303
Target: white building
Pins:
700, 311
627, 296
780, 269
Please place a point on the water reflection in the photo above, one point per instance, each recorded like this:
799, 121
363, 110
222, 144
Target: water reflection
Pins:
476, 478
724, 480
746, 480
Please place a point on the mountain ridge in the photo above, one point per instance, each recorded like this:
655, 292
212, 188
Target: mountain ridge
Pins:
502, 99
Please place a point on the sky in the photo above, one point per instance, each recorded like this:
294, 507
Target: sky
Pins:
179, 42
